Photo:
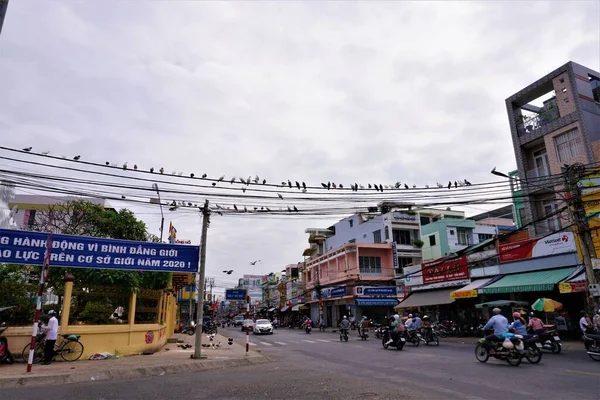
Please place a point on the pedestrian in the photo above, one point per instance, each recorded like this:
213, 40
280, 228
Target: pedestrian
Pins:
561, 323
51, 335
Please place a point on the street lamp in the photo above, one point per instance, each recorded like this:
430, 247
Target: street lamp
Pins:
162, 219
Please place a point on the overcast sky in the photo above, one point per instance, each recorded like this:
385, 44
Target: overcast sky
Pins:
316, 91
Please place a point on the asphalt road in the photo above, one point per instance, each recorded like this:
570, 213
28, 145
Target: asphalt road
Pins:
320, 366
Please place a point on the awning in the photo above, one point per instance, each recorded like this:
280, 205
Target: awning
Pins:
376, 302
427, 298
536, 281
501, 303
470, 290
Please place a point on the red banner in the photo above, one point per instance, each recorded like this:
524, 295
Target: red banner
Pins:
552, 244
445, 270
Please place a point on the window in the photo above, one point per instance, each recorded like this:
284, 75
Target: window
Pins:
451, 232
402, 236
387, 233
377, 236
403, 262
369, 265
432, 240
424, 220
568, 145
352, 241
351, 222
463, 237
31, 219
484, 236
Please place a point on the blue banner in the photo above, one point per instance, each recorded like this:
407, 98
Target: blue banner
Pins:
23, 247
377, 302
376, 290
338, 291
235, 294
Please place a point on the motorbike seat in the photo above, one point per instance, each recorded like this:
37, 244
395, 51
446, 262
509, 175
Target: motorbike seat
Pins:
71, 337
593, 336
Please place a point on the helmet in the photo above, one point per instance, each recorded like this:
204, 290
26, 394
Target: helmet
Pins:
396, 317
425, 317
516, 315
496, 310
364, 317
410, 316
345, 317
51, 312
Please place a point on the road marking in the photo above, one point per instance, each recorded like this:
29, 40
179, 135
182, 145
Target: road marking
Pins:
569, 371
308, 341
281, 343
323, 340
252, 344
265, 343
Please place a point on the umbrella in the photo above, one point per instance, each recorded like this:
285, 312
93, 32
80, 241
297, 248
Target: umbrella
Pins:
547, 305
6, 308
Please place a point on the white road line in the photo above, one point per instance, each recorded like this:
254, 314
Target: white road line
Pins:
323, 340
266, 344
281, 343
252, 344
308, 341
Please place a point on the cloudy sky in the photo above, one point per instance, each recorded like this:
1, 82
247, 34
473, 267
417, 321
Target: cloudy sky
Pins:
315, 91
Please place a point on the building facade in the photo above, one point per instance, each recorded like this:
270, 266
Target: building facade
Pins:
554, 121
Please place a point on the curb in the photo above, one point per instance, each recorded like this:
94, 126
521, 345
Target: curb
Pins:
129, 373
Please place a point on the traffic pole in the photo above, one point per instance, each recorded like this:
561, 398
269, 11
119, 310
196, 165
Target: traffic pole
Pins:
200, 289
38, 304
247, 327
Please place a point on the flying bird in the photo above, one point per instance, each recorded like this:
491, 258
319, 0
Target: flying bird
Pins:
254, 262
228, 272
27, 149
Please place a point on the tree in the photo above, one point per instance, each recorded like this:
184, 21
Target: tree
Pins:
87, 219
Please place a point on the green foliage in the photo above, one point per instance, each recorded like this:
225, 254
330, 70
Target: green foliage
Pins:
418, 242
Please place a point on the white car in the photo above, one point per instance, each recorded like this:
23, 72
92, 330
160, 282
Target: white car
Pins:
263, 326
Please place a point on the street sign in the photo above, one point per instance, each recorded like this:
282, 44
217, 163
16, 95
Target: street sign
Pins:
23, 247
235, 294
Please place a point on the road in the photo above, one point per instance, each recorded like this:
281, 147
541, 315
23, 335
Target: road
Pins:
319, 366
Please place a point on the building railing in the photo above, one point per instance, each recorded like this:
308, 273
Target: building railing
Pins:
539, 172
527, 125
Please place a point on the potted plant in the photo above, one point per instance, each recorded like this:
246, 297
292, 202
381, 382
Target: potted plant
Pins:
418, 243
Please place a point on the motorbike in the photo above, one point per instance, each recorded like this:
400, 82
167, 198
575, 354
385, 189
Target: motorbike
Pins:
398, 344
533, 349
343, 335
378, 331
431, 338
414, 337
551, 341
190, 329
363, 333
512, 350
6, 356
307, 329
592, 345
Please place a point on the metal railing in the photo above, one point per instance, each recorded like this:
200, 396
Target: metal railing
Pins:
528, 125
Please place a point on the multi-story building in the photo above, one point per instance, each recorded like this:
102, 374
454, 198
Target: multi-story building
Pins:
37, 209
553, 121
252, 283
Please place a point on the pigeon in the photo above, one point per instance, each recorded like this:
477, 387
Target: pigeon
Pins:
135, 167
381, 187
125, 166
245, 209
228, 272
341, 186
460, 183
254, 262
235, 207
192, 175
303, 185
180, 174
214, 183
242, 180
426, 186
27, 149
405, 186
248, 180
76, 158
244, 189
369, 186
264, 181
362, 187
174, 173
122, 197
289, 209
333, 185
449, 184
324, 185
204, 176
397, 185
455, 184
298, 185
280, 196
295, 209
290, 183
161, 170
328, 185
107, 163
467, 183
256, 179
268, 209
221, 178
414, 186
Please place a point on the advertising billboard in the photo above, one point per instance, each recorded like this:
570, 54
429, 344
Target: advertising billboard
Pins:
437, 271
557, 243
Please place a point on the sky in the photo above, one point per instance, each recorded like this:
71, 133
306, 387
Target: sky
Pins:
313, 91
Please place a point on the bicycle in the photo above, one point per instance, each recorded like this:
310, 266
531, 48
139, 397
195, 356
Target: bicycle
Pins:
70, 348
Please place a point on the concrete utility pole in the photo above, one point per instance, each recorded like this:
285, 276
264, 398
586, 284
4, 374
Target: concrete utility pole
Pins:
211, 283
200, 289
3, 7
573, 174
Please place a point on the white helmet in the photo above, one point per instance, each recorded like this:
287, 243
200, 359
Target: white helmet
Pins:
410, 315
345, 317
396, 317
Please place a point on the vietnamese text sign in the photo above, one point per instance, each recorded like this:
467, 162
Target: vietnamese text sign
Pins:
443, 270
235, 294
557, 243
338, 291
390, 291
22, 247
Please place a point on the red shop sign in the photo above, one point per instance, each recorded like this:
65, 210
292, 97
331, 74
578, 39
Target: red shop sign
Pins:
445, 270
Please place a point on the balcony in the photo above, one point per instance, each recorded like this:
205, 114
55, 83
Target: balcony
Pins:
526, 125
538, 172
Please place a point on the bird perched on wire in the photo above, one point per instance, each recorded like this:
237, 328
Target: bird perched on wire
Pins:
27, 149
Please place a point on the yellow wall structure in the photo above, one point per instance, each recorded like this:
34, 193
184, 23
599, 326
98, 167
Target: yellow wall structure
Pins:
590, 190
119, 339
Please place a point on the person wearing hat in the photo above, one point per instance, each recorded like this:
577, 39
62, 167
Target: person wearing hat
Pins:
51, 335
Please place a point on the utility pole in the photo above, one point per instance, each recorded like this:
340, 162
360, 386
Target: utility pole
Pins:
319, 296
211, 282
200, 291
573, 174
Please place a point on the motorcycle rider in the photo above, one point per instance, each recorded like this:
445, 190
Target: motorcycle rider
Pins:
519, 324
500, 325
307, 323
344, 325
364, 325
536, 324
395, 328
409, 321
427, 330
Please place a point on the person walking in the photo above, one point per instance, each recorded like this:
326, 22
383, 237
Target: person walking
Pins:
51, 335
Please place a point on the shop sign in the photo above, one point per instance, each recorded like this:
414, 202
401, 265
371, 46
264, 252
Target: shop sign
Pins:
388, 291
338, 291
572, 287
463, 294
445, 270
558, 243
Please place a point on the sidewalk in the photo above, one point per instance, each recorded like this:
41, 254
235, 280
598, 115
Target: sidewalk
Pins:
171, 359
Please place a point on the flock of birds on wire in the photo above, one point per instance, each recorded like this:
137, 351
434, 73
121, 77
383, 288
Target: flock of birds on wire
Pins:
355, 187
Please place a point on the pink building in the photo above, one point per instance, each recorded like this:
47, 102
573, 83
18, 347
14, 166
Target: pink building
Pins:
355, 279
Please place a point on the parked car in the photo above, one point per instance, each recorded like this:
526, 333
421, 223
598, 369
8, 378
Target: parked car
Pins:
238, 320
248, 323
263, 326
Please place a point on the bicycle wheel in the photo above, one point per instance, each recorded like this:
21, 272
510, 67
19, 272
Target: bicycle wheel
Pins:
71, 350
38, 354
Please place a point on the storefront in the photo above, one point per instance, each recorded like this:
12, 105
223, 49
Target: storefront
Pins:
375, 302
